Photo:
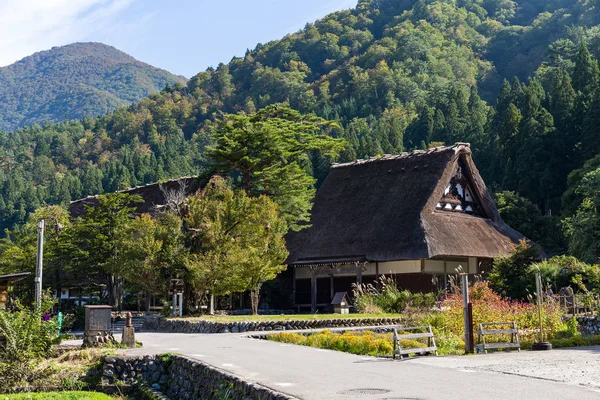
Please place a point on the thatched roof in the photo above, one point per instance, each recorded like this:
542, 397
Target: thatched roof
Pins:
153, 195
13, 277
388, 208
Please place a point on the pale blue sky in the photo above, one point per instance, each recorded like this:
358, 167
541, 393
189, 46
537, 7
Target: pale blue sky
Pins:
182, 36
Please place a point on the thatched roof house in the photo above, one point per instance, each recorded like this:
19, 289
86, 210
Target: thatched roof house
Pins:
6, 280
419, 216
155, 195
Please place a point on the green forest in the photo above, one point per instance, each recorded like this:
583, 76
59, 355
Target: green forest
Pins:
73, 81
519, 80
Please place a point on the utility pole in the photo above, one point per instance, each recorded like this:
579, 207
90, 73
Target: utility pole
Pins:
39, 264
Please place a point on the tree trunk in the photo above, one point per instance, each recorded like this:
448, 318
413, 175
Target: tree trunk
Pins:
110, 288
254, 298
115, 291
147, 302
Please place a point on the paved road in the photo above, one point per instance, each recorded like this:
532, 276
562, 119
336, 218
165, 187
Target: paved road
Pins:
310, 373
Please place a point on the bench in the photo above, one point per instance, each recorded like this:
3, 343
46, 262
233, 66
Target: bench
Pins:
494, 328
428, 334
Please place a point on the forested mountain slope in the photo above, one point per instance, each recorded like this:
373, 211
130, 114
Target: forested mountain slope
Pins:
73, 81
519, 80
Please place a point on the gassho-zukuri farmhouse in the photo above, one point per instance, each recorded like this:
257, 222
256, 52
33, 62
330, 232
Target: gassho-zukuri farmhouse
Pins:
417, 217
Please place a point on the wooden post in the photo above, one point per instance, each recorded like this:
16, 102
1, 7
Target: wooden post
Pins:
470, 321
294, 301
377, 275
468, 318
359, 274
331, 292
313, 290
445, 275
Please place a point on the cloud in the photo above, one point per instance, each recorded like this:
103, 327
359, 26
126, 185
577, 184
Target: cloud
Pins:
27, 26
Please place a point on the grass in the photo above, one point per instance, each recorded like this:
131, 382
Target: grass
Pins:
68, 370
57, 396
285, 317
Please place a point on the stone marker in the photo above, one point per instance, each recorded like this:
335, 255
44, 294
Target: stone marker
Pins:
128, 333
97, 326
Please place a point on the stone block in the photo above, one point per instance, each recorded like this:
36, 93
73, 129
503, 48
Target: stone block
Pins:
128, 338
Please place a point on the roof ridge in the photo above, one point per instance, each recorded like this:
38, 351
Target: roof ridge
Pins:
95, 196
458, 146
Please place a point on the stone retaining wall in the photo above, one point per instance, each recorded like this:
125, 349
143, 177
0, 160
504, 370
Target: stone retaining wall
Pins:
589, 325
203, 326
179, 377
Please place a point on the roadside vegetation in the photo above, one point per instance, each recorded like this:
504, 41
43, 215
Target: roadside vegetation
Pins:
58, 396
30, 357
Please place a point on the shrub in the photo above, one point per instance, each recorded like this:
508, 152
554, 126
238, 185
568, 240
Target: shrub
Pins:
488, 307
389, 298
25, 337
509, 275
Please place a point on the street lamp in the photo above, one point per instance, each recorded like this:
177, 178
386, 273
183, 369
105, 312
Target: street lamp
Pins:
40, 259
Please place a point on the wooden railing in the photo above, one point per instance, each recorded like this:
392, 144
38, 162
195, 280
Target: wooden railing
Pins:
580, 304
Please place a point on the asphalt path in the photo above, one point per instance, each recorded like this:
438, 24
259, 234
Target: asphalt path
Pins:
310, 373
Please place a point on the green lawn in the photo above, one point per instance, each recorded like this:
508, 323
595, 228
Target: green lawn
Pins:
56, 396
291, 317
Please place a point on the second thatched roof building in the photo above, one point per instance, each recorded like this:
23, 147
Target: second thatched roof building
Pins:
418, 216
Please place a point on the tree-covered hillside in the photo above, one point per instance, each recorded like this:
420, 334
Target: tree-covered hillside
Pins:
74, 81
519, 80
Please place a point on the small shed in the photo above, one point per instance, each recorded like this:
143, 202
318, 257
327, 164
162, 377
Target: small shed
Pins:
340, 303
6, 280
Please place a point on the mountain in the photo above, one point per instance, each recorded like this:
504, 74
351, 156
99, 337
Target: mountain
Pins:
518, 79
75, 81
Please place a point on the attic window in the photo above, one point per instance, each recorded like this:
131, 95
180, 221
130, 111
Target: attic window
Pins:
459, 196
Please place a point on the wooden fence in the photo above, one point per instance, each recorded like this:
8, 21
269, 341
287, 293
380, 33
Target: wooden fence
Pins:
580, 304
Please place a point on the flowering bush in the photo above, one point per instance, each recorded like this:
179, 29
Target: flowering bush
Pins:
488, 307
362, 343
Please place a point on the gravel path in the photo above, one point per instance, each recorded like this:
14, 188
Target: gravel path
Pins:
578, 366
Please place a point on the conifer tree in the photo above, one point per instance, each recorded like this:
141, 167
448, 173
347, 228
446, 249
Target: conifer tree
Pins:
265, 152
586, 75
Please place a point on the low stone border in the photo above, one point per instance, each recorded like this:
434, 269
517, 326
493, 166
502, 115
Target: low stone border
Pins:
204, 326
589, 325
180, 377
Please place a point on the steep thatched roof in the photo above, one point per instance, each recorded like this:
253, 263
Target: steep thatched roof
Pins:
387, 208
152, 194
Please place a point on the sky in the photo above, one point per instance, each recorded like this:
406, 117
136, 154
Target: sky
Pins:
181, 36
